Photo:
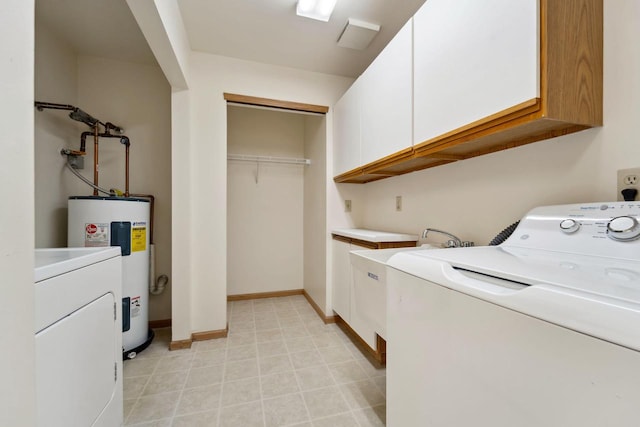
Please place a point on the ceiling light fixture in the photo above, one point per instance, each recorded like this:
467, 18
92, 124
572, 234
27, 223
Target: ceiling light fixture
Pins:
316, 9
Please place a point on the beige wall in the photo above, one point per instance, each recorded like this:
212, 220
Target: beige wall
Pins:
315, 210
56, 80
138, 98
17, 360
477, 198
134, 96
264, 202
210, 76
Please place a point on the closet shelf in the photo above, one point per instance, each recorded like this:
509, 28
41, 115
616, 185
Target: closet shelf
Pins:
268, 159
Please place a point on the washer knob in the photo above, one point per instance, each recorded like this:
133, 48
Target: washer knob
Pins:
569, 226
623, 228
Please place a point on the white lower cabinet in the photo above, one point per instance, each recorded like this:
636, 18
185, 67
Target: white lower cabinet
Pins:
368, 297
359, 294
341, 279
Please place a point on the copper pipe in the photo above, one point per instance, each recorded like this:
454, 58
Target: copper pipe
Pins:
126, 171
152, 199
123, 140
95, 159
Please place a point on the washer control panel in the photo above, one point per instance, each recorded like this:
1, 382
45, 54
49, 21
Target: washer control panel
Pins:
599, 229
623, 228
569, 225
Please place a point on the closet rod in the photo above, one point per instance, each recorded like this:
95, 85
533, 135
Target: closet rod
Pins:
268, 159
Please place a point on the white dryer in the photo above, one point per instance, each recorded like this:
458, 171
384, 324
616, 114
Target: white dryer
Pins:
543, 330
78, 337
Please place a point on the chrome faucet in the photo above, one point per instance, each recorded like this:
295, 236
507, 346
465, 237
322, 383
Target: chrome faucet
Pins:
453, 242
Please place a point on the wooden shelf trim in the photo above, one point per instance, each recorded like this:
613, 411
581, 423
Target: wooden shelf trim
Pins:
275, 103
571, 70
430, 153
375, 245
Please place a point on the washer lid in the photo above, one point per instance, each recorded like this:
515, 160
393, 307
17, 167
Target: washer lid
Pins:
600, 277
57, 261
592, 295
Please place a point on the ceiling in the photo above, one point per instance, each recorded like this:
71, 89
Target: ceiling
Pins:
267, 31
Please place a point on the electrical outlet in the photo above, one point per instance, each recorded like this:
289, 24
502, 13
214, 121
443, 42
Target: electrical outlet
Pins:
398, 203
347, 205
628, 178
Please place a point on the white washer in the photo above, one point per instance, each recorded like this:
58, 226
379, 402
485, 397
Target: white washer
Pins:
78, 337
543, 330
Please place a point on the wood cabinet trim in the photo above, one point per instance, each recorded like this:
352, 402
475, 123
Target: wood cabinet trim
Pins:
573, 60
352, 174
275, 103
379, 354
375, 245
341, 238
391, 159
571, 98
477, 128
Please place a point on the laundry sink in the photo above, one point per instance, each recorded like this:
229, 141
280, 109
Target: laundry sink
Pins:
369, 291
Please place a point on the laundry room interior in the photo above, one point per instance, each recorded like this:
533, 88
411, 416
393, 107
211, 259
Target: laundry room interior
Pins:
255, 211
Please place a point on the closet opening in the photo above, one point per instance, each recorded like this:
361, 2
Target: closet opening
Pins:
276, 197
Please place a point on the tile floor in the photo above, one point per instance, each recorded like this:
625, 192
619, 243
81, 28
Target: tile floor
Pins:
279, 366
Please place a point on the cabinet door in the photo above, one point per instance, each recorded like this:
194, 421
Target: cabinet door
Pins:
341, 278
346, 131
472, 59
386, 99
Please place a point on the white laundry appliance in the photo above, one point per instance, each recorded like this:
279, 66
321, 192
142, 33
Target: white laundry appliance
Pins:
78, 337
542, 330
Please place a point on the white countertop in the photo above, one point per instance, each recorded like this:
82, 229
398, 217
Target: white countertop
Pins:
374, 235
53, 262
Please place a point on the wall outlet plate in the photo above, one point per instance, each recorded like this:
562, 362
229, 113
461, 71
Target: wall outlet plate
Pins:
347, 205
628, 178
398, 203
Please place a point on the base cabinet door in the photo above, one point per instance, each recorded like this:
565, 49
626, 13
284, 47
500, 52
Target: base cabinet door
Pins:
341, 291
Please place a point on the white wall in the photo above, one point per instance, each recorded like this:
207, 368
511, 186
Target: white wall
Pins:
182, 200
315, 210
264, 202
210, 76
134, 96
17, 360
162, 26
477, 198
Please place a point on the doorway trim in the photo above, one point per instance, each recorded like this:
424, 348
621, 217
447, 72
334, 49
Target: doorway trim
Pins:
275, 103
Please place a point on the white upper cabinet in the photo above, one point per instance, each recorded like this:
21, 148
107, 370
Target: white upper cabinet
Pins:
472, 59
386, 99
346, 131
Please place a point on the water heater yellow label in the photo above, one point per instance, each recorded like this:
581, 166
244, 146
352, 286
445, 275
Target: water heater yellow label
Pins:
138, 239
